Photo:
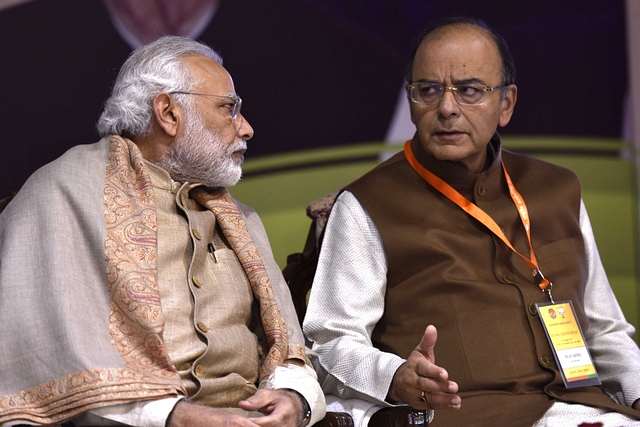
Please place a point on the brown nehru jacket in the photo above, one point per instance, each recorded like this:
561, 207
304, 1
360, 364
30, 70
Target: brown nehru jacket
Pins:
447, 269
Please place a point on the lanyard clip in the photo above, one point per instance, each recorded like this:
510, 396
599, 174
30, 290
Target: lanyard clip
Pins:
544, 283
548, 291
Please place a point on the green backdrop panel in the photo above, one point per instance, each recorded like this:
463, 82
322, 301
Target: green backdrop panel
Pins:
280, 187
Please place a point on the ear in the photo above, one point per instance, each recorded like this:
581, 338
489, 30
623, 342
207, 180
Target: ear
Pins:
508, 104
167, 114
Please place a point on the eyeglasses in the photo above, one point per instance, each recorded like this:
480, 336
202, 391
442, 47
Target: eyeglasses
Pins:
465, 94
234, 106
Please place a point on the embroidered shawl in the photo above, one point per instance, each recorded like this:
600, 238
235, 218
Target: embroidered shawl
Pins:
79, 303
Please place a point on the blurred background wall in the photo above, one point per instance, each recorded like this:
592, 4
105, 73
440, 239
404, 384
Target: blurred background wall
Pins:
312, 73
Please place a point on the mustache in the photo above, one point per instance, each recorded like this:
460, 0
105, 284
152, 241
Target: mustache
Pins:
239, 145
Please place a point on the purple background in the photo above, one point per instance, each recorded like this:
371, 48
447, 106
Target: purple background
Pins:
311, 73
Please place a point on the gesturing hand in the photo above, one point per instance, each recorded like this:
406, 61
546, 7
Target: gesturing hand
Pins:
420, 374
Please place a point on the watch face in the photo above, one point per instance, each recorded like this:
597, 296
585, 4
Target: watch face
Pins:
306, 410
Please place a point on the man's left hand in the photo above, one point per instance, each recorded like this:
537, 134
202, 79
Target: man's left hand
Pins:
282, 408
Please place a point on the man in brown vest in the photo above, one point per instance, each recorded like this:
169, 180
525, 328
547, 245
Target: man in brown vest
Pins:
134, 289
457, 234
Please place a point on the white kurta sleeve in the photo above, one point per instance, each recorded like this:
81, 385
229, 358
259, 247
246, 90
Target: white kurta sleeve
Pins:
346, 302
608, 335
152, 413
302, 379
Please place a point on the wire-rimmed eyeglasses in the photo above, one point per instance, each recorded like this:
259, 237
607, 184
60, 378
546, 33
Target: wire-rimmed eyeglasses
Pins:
234, 106
465, 94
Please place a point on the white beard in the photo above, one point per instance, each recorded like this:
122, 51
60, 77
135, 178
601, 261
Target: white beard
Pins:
201, 156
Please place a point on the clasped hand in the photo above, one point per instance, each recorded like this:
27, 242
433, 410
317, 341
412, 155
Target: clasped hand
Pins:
422, 384
281, 408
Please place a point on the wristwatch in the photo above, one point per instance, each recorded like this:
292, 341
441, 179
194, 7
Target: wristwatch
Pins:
306, 410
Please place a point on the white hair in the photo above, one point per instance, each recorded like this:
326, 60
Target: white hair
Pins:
149, 70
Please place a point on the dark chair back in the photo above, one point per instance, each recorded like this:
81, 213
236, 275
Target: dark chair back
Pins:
5, 201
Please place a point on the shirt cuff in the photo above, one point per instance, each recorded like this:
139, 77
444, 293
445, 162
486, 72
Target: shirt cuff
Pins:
302, 379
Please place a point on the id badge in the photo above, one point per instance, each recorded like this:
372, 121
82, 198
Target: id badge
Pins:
568, 344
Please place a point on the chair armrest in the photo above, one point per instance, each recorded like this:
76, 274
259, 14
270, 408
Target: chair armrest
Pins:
336, 419
399, 416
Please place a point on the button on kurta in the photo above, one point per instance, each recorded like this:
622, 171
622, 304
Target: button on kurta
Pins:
175, 187
197, 234
544, 361
198, 371
481, 190
197, 281
533, 310
202, 327
509, 279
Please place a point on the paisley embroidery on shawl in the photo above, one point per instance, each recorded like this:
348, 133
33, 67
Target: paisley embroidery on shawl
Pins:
136, 320
296, 351
235, 231
77, 390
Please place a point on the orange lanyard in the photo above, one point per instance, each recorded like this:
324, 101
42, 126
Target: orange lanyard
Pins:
475, 211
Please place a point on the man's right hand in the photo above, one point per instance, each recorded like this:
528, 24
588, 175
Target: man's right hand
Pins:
187, 414
420, 374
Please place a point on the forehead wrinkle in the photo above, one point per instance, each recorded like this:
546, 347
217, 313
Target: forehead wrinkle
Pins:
459, 55
455, 74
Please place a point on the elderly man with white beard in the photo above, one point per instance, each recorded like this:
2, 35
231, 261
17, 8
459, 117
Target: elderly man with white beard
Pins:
134, 290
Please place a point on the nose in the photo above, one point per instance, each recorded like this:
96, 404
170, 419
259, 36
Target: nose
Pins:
245, 131
447, 105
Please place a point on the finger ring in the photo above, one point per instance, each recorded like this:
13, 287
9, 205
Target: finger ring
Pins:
422, 398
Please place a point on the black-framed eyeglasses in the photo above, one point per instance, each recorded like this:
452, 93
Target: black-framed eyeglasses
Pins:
465, 94
235, 106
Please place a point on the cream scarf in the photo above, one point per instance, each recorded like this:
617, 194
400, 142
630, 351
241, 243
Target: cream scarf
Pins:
140, 367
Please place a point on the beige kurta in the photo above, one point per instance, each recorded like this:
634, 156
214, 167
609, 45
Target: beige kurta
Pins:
206, 299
